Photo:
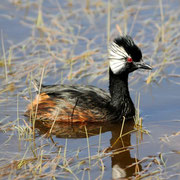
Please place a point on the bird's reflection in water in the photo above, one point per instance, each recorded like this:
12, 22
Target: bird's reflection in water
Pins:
123, 165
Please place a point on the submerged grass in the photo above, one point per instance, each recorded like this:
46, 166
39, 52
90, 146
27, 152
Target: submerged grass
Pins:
68, 44
4, 56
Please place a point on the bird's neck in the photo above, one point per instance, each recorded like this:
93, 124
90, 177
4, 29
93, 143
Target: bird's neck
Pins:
119, 91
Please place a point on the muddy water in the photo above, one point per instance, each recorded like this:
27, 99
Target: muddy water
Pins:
159, 104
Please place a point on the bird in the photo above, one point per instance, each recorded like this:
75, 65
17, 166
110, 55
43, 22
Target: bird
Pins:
89, 104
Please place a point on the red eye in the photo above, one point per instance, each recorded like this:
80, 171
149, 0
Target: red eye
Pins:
129, 60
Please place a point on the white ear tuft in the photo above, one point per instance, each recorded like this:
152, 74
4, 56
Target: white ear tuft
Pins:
117, 52
116, 65
117, 58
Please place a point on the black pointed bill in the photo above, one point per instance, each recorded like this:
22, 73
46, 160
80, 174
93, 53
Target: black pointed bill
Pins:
142, 65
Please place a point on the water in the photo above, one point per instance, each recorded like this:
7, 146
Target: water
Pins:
84, 31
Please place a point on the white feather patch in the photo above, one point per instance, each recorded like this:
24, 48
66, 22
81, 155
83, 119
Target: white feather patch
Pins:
116, 65
117, 58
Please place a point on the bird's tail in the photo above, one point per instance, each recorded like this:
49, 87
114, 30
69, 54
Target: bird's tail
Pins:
36, 84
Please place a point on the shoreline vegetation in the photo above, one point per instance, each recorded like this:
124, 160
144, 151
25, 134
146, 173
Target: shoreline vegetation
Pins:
66, 42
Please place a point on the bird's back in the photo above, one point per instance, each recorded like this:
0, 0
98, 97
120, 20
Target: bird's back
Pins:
76, 103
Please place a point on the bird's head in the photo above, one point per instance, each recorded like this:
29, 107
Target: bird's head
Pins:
125, 56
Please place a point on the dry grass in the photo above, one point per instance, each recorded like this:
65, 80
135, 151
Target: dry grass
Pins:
68, 43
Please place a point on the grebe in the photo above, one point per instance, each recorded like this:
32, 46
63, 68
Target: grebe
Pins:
79, 103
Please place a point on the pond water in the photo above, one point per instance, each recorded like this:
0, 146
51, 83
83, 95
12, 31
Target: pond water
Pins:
71, 43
